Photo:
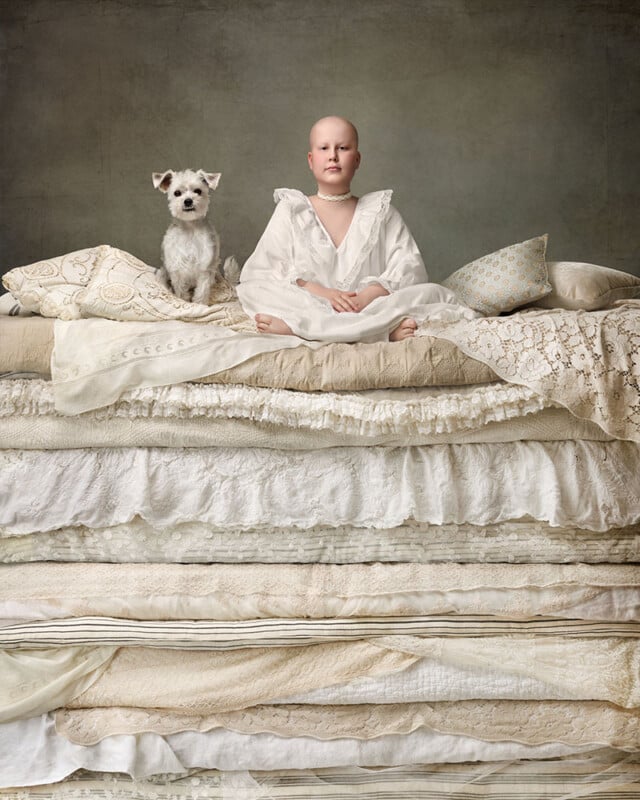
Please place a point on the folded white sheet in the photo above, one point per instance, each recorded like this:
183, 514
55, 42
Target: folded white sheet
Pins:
32, 753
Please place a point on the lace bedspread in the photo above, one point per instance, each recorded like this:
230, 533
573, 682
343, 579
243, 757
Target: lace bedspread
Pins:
587, 361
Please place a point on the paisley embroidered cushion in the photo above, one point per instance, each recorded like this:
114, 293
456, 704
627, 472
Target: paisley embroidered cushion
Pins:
51, 287
124, 288
503, 280
587, 286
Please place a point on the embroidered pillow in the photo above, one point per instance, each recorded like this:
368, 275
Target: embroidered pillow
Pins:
587, 286
503, 280
124, 288
51, 287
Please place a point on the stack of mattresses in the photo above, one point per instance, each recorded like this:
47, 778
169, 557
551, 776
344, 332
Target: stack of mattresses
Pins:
235, 591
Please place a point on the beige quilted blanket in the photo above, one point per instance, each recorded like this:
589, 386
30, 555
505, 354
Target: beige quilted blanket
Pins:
27, 344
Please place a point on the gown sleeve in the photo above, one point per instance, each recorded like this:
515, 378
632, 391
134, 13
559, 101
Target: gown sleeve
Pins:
273, 258
401, 262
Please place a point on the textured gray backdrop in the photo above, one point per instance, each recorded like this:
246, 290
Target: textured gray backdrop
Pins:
493, 120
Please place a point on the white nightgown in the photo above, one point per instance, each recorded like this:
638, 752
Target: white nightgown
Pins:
378, 248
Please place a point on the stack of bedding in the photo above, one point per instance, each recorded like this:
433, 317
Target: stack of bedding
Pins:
416, 576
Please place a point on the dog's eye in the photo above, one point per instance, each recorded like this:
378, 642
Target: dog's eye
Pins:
177, 193
197, 191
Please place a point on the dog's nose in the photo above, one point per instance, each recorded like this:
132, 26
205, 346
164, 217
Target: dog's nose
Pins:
188, 201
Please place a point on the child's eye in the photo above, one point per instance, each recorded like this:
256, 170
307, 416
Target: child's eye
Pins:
177, 193
197, 191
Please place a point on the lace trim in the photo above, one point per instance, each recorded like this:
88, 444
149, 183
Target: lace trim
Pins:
376, 413
372, 214
319, 583
523, 721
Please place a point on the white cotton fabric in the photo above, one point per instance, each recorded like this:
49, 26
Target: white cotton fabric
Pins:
32, 753
372, 487
378, 248
430, 680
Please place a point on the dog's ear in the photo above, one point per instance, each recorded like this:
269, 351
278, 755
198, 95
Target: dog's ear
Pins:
210, 178
162, 180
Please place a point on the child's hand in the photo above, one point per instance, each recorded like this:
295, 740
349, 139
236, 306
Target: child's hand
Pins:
368, 295
340, 301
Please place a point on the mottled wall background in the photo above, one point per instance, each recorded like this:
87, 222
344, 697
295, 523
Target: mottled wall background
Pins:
493, 120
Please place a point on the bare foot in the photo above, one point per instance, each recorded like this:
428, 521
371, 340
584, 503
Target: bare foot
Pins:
265, 323
404, 330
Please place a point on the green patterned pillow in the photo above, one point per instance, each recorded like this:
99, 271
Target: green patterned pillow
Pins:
503, 280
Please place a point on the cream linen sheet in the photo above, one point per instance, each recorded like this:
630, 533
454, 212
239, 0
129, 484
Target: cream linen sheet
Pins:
35, 681
94, 361
251, 591
586, 361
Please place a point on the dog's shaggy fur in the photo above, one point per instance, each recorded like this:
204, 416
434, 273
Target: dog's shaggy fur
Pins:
191, 245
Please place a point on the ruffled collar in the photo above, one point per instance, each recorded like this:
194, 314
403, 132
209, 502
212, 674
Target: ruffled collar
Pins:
362, 235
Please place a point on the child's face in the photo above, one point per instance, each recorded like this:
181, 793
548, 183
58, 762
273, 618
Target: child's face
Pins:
333, 157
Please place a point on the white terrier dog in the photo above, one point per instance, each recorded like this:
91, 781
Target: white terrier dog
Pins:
191, 245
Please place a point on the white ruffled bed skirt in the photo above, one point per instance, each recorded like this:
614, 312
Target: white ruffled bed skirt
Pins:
592, 485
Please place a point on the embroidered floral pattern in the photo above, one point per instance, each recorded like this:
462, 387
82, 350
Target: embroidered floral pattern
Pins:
588, 362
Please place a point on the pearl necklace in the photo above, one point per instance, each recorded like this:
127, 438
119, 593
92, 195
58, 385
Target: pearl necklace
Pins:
334, 198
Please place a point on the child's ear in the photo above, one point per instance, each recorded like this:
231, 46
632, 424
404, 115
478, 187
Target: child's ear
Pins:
309, 156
